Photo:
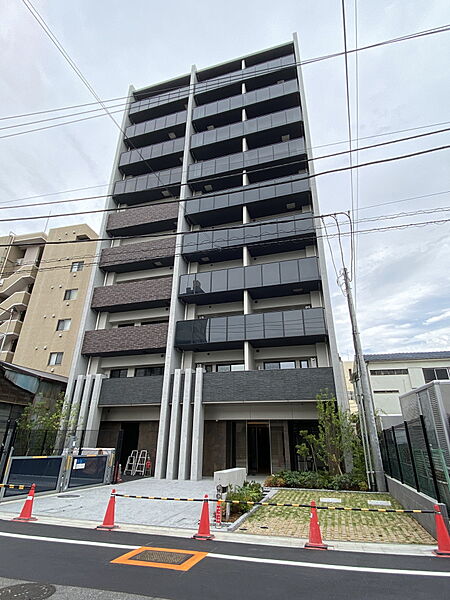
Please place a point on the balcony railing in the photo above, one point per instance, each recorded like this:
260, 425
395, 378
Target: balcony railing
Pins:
11, 328
168, 102
284, 278
148, 187
145, 339
141, 220
17, 301
285, 328
156, 130
131, 391
279, 235
19, 280
274, 196
135, 257
284, 385
134, 295
155, 157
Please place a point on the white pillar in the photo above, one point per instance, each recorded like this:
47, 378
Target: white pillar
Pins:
95, 413
197, 428
76, 401
186, 427
174, 431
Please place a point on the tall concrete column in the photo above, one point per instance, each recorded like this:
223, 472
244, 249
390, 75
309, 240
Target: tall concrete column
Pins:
186, 427
197, 428
85, 400
174, 432
173, 356
95, 413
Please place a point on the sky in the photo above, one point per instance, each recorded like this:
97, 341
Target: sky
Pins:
401, 280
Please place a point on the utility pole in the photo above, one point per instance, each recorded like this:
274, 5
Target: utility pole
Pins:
367, 400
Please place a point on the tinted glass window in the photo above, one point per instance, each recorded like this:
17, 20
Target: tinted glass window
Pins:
253, 276
271, 274
148, 371
271, 365
428, 375
116, 373
287, 364
223, 368
289, 271
441, 373
238, 367
236, 278
219, 280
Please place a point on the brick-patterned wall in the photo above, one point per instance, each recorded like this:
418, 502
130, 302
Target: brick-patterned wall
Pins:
126, 340
138, 254
133, 295
163, 216
214, 447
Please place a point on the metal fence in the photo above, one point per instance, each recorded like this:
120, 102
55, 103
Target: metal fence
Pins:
409, 457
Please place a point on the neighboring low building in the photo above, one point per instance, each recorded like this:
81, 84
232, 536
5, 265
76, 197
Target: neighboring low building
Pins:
20, 386
392, 375
43, 285
347, 370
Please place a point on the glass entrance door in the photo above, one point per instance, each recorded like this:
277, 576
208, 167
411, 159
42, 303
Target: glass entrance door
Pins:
258, 448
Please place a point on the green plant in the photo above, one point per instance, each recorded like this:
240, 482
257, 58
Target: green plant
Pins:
251, 491
315, 480
275, 481
43, 414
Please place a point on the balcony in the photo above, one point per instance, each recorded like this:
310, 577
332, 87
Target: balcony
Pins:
6, 356
278, 235
284, 278
17, 301
262, 101
135, 257
145, 339
11, 329
285, 385
156, 130
18, 281
152, 186
159, 105
164, 155
257, 76
131, 391
284, 194
134, 295
275, 155
140, 220
283, 328
260, 131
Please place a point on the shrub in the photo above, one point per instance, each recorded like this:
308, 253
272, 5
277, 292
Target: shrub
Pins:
275, 481
251, 491
316, 480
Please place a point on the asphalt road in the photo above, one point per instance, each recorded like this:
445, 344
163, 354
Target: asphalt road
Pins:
66, 556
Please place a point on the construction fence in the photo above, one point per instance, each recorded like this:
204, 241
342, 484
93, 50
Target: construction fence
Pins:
409, 457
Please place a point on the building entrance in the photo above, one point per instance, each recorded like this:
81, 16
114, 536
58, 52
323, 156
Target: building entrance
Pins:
130, 440
258, 448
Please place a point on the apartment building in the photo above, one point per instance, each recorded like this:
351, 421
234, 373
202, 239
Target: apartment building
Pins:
210, 333
395, 374
43, 284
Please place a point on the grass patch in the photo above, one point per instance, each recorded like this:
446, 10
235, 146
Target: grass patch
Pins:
337, 525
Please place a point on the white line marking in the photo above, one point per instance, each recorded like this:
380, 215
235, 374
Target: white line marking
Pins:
269, 561
291, 563
66, 541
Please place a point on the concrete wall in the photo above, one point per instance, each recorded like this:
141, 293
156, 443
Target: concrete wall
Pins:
214, 444
411, 498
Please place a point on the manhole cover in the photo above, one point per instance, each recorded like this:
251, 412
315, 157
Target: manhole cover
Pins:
164, 558
28, 591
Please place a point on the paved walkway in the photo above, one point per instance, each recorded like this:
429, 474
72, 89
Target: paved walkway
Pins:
90, 504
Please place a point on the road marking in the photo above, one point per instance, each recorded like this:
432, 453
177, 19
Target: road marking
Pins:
291, 563
269, 561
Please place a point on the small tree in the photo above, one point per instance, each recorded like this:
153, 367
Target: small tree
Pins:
42, 414
336, 438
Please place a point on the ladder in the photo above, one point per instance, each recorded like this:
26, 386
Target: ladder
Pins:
131, 463
139, 468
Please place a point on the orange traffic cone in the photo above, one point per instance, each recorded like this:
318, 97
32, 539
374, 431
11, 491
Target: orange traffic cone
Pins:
108, 521
443, 537
315, 537
27, 509
204, 531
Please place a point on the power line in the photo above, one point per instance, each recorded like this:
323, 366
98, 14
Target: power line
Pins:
237, 76
251, 186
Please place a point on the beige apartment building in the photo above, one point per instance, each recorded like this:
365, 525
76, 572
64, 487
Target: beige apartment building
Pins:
43, 285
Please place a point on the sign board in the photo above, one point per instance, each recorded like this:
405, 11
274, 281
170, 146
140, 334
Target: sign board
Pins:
379, 502
79, 463
331, 499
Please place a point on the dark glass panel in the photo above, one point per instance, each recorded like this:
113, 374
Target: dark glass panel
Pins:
202, 283
236, 328
219, 280
308, 269
254, 327
236, 278
273, 325
271, 274
253, 276
218, 329
293, 323
289, 271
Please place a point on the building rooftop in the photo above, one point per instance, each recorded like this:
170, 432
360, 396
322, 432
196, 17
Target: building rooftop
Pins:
407, 356
33, 372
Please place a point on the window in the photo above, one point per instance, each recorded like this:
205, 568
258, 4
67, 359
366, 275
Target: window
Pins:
70, 294
63, 325
386, 391
148, 371
286, 364
55, 358
439, 374
389, 372
125, 325
116, 373
233, 367
304, 364
77, 266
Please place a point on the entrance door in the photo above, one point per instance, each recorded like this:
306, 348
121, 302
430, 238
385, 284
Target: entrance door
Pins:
130, 440
258, 448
